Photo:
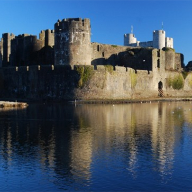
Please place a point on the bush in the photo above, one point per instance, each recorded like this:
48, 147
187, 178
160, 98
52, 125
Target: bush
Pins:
133, 78
109, 68
177, 82
85, 73
169, 82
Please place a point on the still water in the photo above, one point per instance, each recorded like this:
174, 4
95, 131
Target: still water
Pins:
130, 147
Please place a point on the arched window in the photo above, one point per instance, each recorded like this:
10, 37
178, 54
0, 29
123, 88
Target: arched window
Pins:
160, 85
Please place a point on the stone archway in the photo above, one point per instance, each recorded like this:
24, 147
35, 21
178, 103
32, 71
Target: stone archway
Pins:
160, 89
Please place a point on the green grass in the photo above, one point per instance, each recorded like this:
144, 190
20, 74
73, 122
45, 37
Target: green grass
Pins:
109, 68
176, 82
85, 73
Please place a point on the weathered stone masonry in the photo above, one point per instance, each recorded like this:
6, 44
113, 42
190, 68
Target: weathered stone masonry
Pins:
63, 64
62, 83
73, 42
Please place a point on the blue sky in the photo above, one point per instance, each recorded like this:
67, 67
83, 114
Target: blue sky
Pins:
110, 19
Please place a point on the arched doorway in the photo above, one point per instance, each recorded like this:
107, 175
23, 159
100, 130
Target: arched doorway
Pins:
160, 89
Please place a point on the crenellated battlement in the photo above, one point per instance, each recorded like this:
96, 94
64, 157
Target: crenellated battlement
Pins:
96, 68
47, 36
64, 64
159, 40
101, 82
72, 25
73, 42
70, 44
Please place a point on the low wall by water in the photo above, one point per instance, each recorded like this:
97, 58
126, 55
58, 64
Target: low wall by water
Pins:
84, 82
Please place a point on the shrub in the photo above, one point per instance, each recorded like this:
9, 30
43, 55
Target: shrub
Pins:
109, 68
169, 82
133, 78
85, 73
177, 82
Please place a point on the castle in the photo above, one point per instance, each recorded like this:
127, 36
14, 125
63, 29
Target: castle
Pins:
64, 63
159, 40
70, 44
26, 49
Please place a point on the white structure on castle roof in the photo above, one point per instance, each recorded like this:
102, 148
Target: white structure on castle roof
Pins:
159, 40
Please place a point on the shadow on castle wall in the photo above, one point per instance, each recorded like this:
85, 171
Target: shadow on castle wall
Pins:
136, 59
34, 83
44, 56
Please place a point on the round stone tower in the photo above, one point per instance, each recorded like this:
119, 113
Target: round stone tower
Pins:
73, 42
159, 39
129, 39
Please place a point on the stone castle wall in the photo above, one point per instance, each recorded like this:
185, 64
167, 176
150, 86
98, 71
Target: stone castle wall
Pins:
1, 52
85, 82
25, 49
72, 42
22, 48
64, 65
6, 48
104, 54
137, 58
159, 40
47, 37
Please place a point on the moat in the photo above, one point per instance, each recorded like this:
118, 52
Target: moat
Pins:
109, 147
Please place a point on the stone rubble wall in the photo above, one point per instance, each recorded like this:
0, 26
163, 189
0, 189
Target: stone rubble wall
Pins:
103, 82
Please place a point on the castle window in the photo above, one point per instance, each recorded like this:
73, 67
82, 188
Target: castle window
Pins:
97, 47
103, 54
158, 63
160, 88
158, 53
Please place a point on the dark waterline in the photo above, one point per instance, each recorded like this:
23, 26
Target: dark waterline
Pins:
125, 147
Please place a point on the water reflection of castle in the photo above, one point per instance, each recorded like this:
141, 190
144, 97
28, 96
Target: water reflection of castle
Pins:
71, 144
130, 129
